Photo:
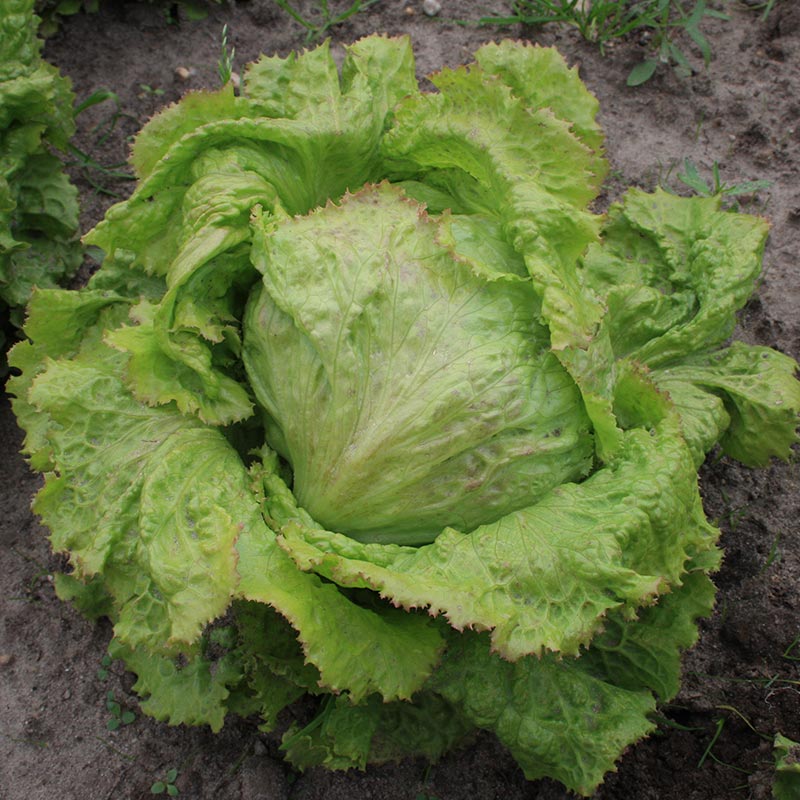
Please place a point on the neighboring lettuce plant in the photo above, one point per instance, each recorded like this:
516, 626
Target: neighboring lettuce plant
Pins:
38, 204
365, 403
52, 11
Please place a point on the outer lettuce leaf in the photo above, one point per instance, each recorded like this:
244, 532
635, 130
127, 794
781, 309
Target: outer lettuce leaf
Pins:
371, 345
534, 578
305, 86
540, 78
674, 271
645, 652
90, 598
436, 142
205, 164
379, 649
19, 46
754, 396
192, 693
195, 382
556, 717
147, 496
43, 222
150, 499
275, 668
569, 718
343, 736
59, 324
196, 109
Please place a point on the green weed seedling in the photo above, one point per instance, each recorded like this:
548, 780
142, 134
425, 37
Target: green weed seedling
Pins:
149, 91
602, 21
225, 64
599, 22
89, 166
118, 716
691, 177
671, 17
766, 7
793, 648
328, 18
719, 725
105, 665
773, 556
167, 785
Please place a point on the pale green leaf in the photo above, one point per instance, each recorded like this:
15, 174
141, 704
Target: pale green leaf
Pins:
755, 396
703, 260
557, 719
378, 649
540, 77
193, 692
642, 72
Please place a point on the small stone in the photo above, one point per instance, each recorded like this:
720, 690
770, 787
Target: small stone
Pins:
184, 73
259, 748
431, 7
5, 659
236, 80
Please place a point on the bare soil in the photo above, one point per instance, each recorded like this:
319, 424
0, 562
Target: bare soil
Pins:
741, 682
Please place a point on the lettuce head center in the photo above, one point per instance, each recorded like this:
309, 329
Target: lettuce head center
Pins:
407, 392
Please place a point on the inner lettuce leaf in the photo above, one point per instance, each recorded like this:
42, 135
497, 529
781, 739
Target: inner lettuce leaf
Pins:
366, 403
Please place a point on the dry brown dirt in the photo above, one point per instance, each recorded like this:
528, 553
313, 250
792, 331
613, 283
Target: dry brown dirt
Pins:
741, 682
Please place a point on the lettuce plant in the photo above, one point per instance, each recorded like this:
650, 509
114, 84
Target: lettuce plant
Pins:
51, 11
367, 404
38, 204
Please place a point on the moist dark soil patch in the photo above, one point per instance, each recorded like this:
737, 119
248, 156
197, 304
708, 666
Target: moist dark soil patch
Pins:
742, 680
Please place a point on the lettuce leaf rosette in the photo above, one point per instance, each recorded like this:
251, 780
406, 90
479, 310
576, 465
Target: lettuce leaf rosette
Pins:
366, 403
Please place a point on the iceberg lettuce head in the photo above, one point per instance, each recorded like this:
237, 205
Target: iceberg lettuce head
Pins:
367, 403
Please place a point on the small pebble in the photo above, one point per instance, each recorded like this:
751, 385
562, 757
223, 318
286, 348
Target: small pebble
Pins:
431, 7
5, 659
184, 73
